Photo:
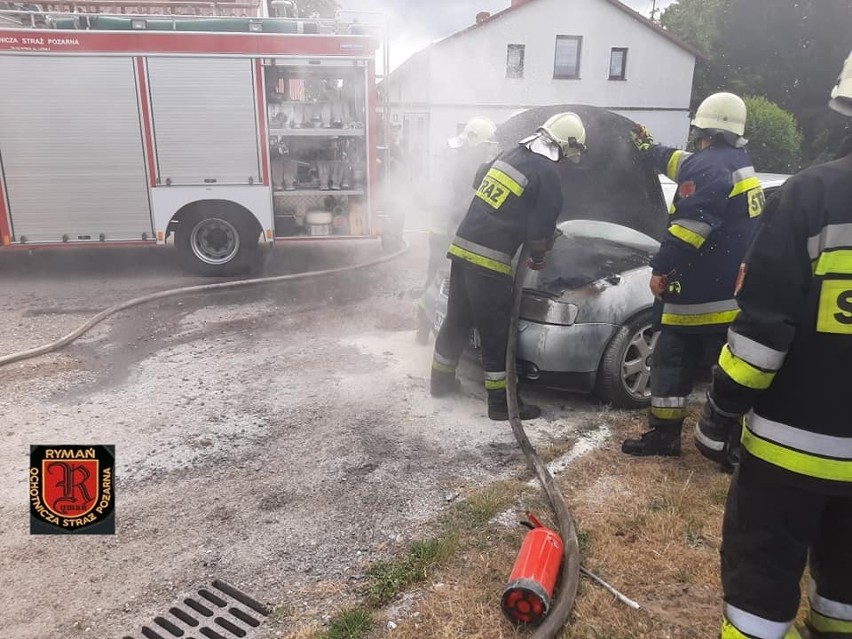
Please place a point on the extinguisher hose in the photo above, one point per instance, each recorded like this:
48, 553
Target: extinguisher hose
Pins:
184, 291
561, 610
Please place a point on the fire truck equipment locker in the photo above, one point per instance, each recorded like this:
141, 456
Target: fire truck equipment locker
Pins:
71, 149
204, 120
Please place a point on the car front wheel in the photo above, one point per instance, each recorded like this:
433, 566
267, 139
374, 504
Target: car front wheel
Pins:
624, 376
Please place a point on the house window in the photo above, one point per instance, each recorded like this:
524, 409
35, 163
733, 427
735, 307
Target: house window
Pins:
618, 63
566, 64
515, 61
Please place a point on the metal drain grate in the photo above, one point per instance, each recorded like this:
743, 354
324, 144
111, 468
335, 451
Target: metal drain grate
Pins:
218, 612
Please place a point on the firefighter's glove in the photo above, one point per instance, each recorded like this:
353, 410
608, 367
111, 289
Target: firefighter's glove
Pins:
536, 262
641, 137
717, 437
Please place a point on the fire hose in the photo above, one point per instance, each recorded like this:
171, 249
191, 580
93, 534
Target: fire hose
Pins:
186, 290
561, 609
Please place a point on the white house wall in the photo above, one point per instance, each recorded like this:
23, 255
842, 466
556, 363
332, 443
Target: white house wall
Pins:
468, 72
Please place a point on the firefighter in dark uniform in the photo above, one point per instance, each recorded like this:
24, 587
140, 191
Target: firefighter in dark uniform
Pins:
518, 201
786, 367
468, 150
713, 217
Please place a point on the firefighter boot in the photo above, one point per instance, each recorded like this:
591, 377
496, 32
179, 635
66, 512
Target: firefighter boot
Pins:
663, 440
443, 384
498, 407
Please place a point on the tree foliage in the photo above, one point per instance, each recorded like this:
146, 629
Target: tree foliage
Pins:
696, 21
774, 138
787, 50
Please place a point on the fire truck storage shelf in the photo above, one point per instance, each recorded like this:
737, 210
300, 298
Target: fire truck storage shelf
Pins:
318, 133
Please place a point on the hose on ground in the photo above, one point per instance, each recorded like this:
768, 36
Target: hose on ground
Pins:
558, 616
186, 290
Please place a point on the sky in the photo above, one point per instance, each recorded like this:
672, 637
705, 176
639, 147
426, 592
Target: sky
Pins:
414, 24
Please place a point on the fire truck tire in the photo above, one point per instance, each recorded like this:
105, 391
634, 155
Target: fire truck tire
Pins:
218, 243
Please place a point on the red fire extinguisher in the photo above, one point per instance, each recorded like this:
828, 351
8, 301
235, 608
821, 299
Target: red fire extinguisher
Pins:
527, 597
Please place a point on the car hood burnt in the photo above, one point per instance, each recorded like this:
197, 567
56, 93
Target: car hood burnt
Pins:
575, 262
610, 183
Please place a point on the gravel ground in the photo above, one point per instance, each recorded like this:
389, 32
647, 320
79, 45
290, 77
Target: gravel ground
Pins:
277, 438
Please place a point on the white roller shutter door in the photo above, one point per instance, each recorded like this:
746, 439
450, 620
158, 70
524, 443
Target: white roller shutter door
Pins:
71, 147
204, 120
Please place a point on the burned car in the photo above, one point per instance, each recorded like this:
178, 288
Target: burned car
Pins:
586, 318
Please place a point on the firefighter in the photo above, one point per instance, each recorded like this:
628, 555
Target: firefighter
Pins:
712, 219
474, 146
518, 200
786, 367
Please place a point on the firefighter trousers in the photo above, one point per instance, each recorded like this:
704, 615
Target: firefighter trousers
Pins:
677, 360
476, 300
771, 530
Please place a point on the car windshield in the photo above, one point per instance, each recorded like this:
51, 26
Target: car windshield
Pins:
616, 233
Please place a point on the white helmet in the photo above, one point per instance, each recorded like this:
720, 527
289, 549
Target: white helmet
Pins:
841, 94
721, 112
562, 136
477, 131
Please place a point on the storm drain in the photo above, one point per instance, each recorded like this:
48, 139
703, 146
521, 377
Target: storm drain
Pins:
218, 612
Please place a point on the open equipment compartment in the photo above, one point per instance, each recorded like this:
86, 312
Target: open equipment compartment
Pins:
317, 113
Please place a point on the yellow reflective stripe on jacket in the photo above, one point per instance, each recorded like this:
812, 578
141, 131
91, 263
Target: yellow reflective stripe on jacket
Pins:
823, 623
755, 353
690, 237
796, 461
832, 236
704, 319
745, 185
742, 372
479, 260
707, 314
673, 167
803, 440
839, 262
512, 172
505, 180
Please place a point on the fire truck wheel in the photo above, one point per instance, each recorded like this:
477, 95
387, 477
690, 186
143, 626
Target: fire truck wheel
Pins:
217, 243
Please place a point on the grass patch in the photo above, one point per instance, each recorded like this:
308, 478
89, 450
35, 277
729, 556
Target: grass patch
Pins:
385, 579
354, 623
463, 521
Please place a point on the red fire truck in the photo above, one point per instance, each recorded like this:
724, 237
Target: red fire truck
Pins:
217, 134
